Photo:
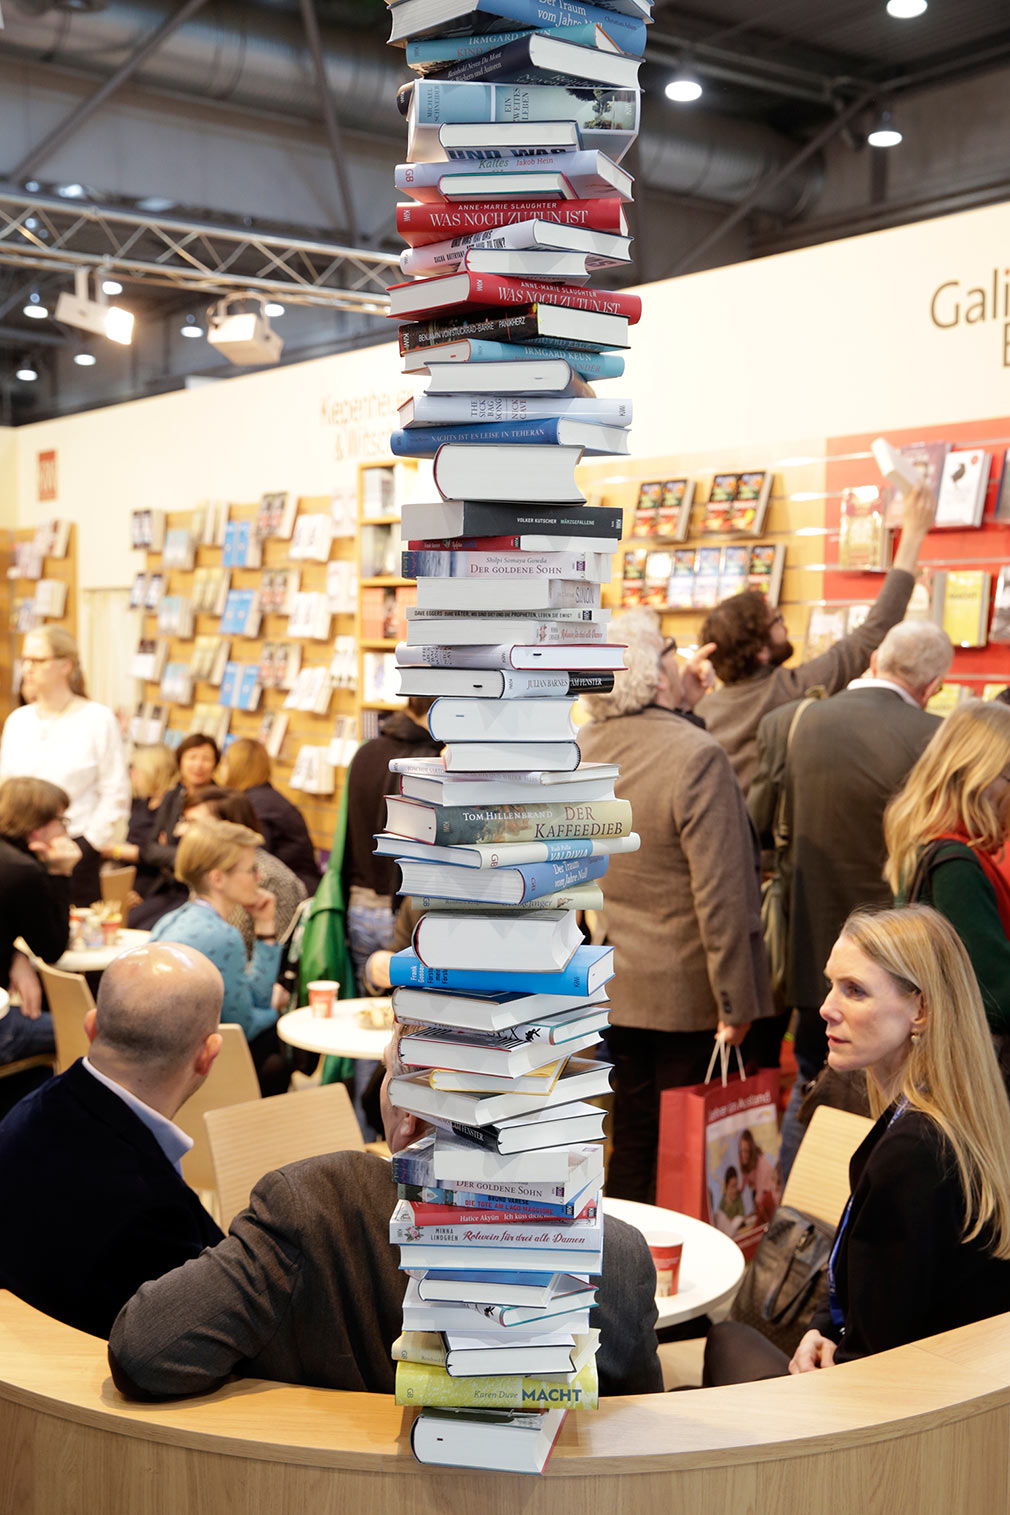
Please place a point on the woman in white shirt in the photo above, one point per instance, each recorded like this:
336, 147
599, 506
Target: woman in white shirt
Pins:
72, 741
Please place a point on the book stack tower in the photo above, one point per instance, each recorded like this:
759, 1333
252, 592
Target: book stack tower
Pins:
516, 130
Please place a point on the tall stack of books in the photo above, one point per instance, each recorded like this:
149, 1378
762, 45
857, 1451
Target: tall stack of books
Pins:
516, 128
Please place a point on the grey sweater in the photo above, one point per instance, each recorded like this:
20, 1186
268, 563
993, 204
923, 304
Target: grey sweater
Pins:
734, 712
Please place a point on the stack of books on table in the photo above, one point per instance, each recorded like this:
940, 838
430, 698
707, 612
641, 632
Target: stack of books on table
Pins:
516, 127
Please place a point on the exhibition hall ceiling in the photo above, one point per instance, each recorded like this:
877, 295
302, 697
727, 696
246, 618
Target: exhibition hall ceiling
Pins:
205, 123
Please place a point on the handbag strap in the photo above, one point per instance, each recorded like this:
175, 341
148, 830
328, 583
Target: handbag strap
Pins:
721, 1051
780, 835
923, 864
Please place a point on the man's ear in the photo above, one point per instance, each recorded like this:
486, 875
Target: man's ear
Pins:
873, 662
207, 1052
931, 689
90, 1027
406, 1129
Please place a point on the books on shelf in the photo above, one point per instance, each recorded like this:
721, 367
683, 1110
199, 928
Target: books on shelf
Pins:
154, 590
240, 686
211, 720
963, 484
738, 502
175, 616
825, 627
341, 587
312, 537
280, 663
864, 542
241, 615
309, 616
210, 590
147, 530
961, 604
149, 660
379, 681
312, 772
1000, 628
924, 459
272, 730
241, 548
278, 589
210, 654
147, 726
178, 549
312, 690
177, 684
50, 599
275, 515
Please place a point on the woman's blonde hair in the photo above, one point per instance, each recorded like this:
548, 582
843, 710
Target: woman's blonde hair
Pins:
62, 645
951, 1074
153, 770
946, 790
640, 630
245, 763
207, 845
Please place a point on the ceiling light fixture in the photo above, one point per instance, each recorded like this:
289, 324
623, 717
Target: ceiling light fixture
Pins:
26, 372
244, 337
684, 87
884, 133
94, 315
190, 329
35, 310
71, 191
905, 10
111, 287
85, 359
273, 308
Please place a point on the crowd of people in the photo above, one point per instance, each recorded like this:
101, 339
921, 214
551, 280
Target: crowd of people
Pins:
880, 830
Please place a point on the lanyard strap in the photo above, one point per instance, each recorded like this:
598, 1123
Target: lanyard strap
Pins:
837, 1317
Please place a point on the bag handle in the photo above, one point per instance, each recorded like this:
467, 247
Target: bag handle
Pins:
721, 1051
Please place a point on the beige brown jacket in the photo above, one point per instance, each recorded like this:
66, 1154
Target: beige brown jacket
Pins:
684, 912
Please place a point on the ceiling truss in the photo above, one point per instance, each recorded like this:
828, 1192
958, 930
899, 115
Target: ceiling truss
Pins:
50, 233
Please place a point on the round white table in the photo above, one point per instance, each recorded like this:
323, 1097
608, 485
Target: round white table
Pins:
710, 1268
94, 959
339, 1034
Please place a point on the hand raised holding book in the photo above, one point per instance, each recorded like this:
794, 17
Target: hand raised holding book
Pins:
917, 517
697, 676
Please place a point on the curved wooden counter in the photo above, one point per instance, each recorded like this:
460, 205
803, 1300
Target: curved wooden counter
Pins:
924, 1430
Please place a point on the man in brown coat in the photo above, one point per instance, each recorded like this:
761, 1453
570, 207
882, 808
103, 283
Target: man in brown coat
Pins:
752, 644
683, 913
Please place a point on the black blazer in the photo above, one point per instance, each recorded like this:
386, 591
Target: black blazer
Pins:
285, 833
91, 1206
34, 904
902, 1271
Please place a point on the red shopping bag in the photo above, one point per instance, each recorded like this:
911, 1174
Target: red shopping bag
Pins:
718, 1151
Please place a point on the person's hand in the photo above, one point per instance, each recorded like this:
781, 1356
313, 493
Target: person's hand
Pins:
731, 1035
24, 981
133, 899
697, 676
59, 854
264, 912
814, 1351
918, 510
376, 977
280, 998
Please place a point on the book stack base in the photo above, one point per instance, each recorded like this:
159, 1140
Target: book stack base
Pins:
515, 135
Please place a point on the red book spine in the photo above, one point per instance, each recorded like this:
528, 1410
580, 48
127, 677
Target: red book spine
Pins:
497, 290
438, 220
425, 1214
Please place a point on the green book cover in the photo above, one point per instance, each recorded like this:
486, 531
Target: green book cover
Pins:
426, 1384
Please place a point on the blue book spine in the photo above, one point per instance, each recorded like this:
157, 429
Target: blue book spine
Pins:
242, 530
563, 15
228, 546
473, 1201
541, 878
591, 365
229, 684
424, 441
433, 50
248, 694
406, 968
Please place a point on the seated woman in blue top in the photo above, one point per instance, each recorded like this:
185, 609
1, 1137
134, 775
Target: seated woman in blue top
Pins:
924, 1243
216, 860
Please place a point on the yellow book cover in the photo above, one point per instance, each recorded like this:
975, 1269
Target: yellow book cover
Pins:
425, 1384
966, 606
419, 1346
946, 699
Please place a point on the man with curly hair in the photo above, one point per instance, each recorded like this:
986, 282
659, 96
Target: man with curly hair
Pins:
752, 645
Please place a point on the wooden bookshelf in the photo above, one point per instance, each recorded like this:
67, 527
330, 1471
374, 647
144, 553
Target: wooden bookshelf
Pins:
379, 547
17, 590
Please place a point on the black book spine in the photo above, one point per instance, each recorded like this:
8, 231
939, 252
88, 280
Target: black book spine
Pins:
516, 326
497, 63
485, 1136
590, 683
487, 519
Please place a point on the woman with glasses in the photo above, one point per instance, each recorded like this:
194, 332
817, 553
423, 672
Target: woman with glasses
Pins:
923, 1245
216, 860
62, 736
946, 831
36, 861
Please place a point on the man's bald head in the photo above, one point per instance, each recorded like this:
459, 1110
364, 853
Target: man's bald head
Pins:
156, 1005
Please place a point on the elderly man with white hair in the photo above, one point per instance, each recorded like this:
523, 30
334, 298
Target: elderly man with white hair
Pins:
683, 913
92, 1198
848, 755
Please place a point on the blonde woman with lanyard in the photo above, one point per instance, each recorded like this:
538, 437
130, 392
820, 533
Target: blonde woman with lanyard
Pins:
924, 1243
73, 742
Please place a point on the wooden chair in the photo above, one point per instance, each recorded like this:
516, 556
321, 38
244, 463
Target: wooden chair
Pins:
819, 1179
25, 1064
231, 1081
249, 1140
70, 999
116, 884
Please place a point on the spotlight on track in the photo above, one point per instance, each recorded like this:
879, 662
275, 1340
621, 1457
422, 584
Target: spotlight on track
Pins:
244, 337
95, 315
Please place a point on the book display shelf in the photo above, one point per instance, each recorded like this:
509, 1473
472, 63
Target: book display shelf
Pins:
226, 645
965, 580
39, 566
685, 546
383, 596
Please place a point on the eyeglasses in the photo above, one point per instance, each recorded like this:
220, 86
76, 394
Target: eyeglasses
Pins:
35, 662
670, 645
777, 620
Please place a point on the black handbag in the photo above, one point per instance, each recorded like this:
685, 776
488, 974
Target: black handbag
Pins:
786, 1281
